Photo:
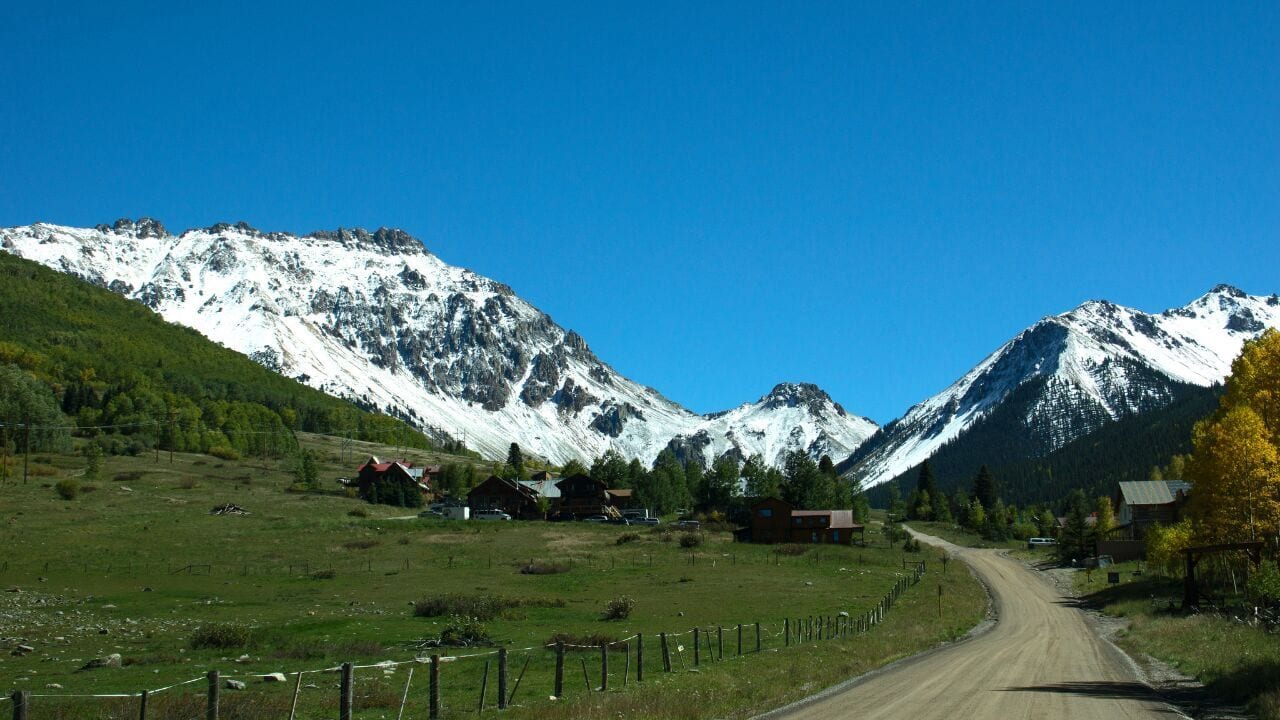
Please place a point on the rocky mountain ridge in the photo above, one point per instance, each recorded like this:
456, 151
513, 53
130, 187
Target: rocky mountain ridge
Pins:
1068, 374
376, 318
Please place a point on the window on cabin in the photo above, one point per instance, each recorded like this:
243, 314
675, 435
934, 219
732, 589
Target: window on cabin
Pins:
766, 512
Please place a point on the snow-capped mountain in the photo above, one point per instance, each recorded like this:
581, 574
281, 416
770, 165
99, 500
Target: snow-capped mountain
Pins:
1071, 373
375, 317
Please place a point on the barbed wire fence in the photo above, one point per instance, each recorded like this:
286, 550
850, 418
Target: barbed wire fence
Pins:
705, 644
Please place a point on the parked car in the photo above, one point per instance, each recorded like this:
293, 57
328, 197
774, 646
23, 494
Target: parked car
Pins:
688, 524
490, 514
1038, 542
430, 513
595, 518
619, 521
644, 521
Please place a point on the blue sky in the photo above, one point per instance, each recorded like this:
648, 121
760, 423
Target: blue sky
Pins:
717, 196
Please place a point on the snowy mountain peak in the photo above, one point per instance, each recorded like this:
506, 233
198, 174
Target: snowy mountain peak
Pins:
1095, 363
374, 317
800, 395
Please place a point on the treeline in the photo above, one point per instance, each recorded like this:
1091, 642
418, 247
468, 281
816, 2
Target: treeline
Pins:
669, 485
121, 374
977, 506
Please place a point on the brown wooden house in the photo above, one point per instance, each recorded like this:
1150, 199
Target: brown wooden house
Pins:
374, 470
776, 521
510, 496
582, 496
1139, 505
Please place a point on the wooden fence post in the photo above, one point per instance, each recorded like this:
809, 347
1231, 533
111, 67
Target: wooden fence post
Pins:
639, 657
211, 703
786, 631
604, 666
739, 638
21, 704
433, 689
345, 692
502, 678
666, 652
585, 680
484, 686
626, 664
142, 706
719, 642
757, 637
559, 686
697, 649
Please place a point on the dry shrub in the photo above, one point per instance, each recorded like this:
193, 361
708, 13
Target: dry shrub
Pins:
627, 537
619, 608
358, 512
130, 476
187, 483
221, 636
690, 540
792, 549
363, 544
40, 470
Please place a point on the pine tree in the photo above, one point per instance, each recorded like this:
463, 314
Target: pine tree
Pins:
984, 488
926, 492
1075, 541
515, 461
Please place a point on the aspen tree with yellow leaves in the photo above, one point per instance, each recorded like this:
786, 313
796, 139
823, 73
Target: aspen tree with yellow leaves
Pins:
1235, 467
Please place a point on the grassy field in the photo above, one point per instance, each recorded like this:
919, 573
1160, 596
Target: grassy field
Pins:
1237, 661
138, 566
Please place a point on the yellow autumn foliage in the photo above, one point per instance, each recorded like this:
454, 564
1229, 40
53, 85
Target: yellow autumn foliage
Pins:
1234, 470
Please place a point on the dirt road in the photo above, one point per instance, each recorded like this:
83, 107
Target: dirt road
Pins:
1040, 661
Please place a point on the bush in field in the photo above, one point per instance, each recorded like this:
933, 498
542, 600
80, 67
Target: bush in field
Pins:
911, 545
690, 540
619, 608
480, 607
222, 452
627, 537
1264, 584
462, 630
1164, 547
792, 549
67, 488
222, 636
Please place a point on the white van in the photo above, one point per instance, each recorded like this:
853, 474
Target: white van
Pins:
1033, 543
489, 515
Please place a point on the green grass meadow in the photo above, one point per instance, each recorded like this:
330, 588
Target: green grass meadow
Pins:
138, 566
1238, 661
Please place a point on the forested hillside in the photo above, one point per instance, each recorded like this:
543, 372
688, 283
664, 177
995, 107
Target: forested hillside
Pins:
1123, 450
126, 376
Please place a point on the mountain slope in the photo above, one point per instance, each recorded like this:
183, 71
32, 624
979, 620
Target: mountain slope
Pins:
1068, 375
171, 386
376, 318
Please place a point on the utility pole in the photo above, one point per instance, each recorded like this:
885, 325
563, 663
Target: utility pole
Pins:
26, 447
